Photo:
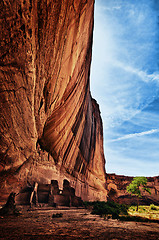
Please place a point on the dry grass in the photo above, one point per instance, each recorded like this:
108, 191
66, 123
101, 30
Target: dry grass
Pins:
149, 212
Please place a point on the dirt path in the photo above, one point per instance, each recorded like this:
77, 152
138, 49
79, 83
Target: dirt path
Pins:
74, 224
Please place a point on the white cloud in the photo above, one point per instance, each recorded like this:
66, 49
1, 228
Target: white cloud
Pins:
141, 74
132, 135
124, 81
111, 8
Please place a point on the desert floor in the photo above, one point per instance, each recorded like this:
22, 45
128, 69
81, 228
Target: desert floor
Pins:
74, 224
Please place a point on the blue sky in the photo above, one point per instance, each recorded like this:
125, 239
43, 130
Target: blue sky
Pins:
125, 83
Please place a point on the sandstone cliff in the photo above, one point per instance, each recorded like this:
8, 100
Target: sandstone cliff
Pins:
50, 127
116, 185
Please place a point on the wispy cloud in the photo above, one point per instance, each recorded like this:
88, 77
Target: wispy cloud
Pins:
140, 73
125, 82
112, 8
133, 135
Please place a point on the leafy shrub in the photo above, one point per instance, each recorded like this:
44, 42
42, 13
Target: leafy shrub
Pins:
88, 205
153, 207
109, 208
133, 208
142, 208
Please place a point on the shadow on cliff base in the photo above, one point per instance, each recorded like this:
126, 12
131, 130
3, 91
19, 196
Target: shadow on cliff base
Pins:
50, 194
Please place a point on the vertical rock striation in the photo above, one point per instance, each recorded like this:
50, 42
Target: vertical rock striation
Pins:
50, 127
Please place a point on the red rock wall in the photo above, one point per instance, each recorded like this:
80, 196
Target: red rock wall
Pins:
116, 186
50, 126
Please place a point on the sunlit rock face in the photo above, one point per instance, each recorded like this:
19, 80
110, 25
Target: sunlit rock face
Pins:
51, 128
116, 185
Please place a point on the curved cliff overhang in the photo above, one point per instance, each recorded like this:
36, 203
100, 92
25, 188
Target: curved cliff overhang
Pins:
50, 126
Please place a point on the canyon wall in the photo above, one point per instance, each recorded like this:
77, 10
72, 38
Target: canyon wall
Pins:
50, 127
116, 186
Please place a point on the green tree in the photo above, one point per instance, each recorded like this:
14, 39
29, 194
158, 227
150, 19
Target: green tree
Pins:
135, 187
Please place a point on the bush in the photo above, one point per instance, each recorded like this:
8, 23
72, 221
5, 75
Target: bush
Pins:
88, 205
133, 208
142, 208
153, 207
109, 208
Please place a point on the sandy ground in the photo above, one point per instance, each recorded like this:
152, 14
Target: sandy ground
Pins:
74, 224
